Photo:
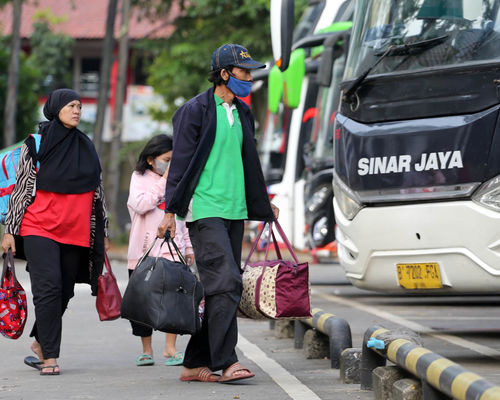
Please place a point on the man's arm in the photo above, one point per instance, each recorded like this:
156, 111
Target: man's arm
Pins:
187, 125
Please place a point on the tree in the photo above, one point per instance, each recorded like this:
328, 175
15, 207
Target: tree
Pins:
182, 62
114, 158
51, 52
9, 127
27, 100
106, 61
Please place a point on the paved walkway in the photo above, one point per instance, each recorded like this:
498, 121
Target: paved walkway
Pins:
98, 362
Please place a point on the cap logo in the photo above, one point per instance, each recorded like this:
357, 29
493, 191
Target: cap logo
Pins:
244, 54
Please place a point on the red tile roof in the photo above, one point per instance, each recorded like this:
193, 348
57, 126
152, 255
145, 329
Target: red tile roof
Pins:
86, 19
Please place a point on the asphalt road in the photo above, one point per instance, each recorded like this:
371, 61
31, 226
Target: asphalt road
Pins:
98, 358
465, 329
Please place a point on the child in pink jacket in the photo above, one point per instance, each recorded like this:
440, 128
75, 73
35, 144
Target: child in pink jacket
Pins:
146, 208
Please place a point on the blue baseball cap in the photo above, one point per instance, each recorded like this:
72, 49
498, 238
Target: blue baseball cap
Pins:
235, 55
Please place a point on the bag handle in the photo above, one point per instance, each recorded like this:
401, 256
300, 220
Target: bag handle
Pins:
272, 238
254, 246
140, 260
8, 263
168, 239
107, 264
285, 240
275, 242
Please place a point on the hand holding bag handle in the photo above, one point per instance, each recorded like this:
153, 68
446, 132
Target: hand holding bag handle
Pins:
167, 239
8, 260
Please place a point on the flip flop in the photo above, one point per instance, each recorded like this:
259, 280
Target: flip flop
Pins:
52, 367
229, 373
33, 362
144, 360
176, 359
203, 375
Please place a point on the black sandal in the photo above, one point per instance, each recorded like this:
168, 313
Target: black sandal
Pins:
33, 362
52, 367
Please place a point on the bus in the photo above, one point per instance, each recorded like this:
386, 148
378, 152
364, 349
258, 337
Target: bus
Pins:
291, 127
416, 147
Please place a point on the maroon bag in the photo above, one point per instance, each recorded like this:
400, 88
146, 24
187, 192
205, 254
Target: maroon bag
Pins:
13, 304
274, 289
109, 298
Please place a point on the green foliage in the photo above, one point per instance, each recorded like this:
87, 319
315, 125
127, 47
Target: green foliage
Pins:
51, 52
182, 63
27, 100
46, 15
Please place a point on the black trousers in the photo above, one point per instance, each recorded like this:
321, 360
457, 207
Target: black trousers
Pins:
53, 268
217, 248
139, 329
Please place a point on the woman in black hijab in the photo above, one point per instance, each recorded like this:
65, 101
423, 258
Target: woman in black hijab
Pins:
63, 226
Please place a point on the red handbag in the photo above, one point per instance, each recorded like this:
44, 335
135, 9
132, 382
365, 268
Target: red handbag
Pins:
109, 298
274, 289
13, 304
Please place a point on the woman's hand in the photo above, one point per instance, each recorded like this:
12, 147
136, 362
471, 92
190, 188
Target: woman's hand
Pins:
106, 244
8, 242
276, 211
189, 259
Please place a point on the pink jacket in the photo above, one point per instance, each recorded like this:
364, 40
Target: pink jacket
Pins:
145, 194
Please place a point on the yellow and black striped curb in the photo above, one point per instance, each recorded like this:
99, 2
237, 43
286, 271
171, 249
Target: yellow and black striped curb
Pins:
441, 373
337, 330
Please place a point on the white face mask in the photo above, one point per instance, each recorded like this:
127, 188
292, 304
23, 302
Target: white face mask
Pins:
161, 166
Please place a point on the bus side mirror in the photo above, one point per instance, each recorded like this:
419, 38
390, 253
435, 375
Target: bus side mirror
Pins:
282, 23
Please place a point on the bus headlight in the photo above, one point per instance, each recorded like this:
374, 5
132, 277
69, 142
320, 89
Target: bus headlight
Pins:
319, 231
318, 199
346, 198
488, 194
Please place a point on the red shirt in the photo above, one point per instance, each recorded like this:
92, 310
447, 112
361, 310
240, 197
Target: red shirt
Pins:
62, 217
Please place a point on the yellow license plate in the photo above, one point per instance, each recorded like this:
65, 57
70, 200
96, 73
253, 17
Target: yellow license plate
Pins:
419, 276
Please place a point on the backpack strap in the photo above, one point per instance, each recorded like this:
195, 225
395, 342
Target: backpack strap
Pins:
38, 140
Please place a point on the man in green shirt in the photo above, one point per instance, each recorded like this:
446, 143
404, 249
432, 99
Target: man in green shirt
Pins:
215, 182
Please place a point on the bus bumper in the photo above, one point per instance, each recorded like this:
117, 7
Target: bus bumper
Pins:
461, 237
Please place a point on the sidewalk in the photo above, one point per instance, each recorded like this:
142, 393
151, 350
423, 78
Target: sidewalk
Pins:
98, 362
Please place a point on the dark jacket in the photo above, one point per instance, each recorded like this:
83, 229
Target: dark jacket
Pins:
194, 134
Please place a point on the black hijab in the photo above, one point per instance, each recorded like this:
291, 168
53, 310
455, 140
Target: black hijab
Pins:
68, 160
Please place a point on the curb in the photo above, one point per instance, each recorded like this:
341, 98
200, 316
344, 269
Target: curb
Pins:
380, 344
337, 330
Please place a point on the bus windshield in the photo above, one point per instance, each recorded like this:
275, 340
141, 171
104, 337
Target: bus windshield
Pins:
458, 32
